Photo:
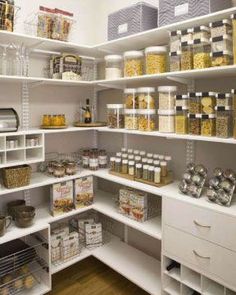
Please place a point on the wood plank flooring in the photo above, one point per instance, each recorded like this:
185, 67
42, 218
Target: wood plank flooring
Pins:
91, 277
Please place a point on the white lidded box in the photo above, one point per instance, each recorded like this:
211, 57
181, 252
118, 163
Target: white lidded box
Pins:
81, 227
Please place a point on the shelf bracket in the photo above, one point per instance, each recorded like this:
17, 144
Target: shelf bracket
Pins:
180, 80
25, 108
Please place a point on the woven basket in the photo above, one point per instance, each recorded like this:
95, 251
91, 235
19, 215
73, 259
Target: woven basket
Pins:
16, 176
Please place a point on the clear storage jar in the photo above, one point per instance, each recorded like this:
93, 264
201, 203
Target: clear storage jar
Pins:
194, 103
156, 60
182, 101
219, 28
222, 58
167, 97
181, 120
166, 121
233, 17
208, 125
115, 116
224, 100
194, 124
146, 97
147, 120
233, 92
175, 61
130, 98
201, 32
175, 42
186, 56
131, 119
224, 122
201, 54
113, 68
208, 102
133, 63
222, 43
186, 35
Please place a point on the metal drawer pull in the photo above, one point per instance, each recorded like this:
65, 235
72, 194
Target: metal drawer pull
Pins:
200, 256
200, 225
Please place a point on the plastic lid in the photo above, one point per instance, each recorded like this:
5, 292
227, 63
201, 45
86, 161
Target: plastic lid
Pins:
157, 49
156, 162
179, 97
136, 152
167, 89
146, 89
224, 108
130, 150
118, 154
149, 155
166, 112
131, 162
185, 32
145, 167
161, 157
113, 58
223, 95
175, 33
220, 23
201, 28
157, 169
194, 116
163, 163
112, 159
137, 158
139, 165
142, 153
221, 38
175, 53
208, 116
184, 108
151, 168
221, 53
168, 158
193, 94
115, 106
205, 94
146, 112
131, 112
118, 160
133, 53
124, 149
130, 90
125, 161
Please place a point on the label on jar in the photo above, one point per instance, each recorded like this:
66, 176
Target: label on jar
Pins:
85, 161
93, 162
181, 9
123, 28
102, 160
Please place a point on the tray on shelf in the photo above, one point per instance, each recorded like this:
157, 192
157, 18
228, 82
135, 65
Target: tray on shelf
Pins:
95, 124
53, 127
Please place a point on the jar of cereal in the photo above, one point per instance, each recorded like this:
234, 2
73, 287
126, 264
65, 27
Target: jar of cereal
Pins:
175, 61
131, 119
187, 56
146, 120
146, 99
133, 63
115, 116
208, 125
156, 60
131, 99
194, 124
167, 97
201, 54
175, 43
181, 120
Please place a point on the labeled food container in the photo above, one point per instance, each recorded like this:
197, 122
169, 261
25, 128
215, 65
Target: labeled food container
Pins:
234, 127
201, 54
133, 63
115, 116
146, 98
131, 98
167, 97
166, 121
233, 17
182, 101
113, 66
156, 60
175, 61
222, 58
181, 120
175, 41
194, 124
224, 100
186, 56
233, 91
220, 28
131, 119
208, 125
224, 122
147, 120
186, 35
201, 32
221, 43
208, 102
194, 103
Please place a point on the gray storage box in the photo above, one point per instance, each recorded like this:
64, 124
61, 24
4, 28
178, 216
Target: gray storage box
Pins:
172, 11
131, 20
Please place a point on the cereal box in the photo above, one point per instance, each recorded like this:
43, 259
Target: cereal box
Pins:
83, 192
138, 204
124, 201
93, 235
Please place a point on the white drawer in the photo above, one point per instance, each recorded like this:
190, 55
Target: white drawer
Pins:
203, 223
203, 255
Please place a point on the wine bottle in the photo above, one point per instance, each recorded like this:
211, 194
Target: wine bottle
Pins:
173, 264
87, 113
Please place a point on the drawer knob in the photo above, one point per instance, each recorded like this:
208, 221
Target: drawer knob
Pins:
200, 256
201, 225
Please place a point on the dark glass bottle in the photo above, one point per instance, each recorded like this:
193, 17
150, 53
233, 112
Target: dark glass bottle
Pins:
87, 113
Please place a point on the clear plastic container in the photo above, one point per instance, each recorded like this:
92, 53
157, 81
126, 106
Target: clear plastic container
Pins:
224, 122
186, 35
166, 121
115, 116
156, 60
201, 54
113, 66
208, 102
130, 98
208, 125
146, 97
131, 119
194, 124
175, 61
201, 32
167, 97
187, 56
133, 63
233, 92
222, 58
181, 120
222, 43
147, 120
194, 103
219, 28
175, 43
224, 100
233, 17
182, 101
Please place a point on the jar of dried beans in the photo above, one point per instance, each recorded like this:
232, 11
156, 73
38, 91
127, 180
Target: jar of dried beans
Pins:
115, 116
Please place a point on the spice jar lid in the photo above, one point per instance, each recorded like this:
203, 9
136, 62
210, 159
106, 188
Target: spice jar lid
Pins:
125, 161
146, 90
200, 29
167, 89
179, 97
130, 90
142, 153
157, 169
145, 167
113, 57
168, 158
133, 53
175, 33
221, 38
149, 155
115, 106
136, 152
223, 95
161, 157
166, 112
208, 116
163, 163
157, 162
137, 158
124, 149
112, 159
223, 108
220, 23
206, 94
221, 53
156, 49
118, 160
146, 112
184, 108
151, 168
175, 53
131, 163
131, 111
138, 165
118, 154
185, 32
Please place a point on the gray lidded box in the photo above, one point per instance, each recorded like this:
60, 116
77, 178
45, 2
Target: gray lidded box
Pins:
131, 20
172, 11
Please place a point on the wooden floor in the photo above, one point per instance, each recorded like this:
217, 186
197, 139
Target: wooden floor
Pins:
91, 277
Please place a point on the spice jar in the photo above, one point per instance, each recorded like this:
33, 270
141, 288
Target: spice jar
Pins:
157, 175
186, 35
149, 156
181, 101
151, 173
130, 157
133, 63
208, 102
146, 99
124, 168
224, 122
93, 161
201, 54
113, 163
222, 58
124, 150
131, 119
113, 66
102, 159
131, 168
166, 121
115, 116
71, 168
219, 28
145, 172
59, 170
142, 154
175, 42
233, 17
208, 125
194, 124
164, 170
118, 166
130, 151
131, 99
137, 159
124, 156
85, 159
139, 171
187, 56
156, 60
167, 97
136, 152
181, 120
194, 103
150, 162
144, 160
146, 120
224, 100
201, 32
175, 61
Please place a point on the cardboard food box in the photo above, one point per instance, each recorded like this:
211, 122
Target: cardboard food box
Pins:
124, 201
56, 240
139, 204
93, 235
70, 246
81, 227
62, 200
83, 188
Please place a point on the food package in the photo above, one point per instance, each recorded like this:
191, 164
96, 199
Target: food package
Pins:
138, 204
124, 201
70, 246
56, 240
83, 188
93, 235
81, 227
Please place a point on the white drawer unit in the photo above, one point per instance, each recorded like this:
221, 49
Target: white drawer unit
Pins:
203, 223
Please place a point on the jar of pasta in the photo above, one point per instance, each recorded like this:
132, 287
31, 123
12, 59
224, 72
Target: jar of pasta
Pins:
224, 122
175, 61
222, 58
224, 100
133, 63
131, 98
181, 120
146, 98
222, 43
219, 28
166, 121
115, 116
233, 17
147, 120
186, 35
113, 68
233, 91
186, 56
194, 103
194, 124
208, 125
167, 97
156, 60
201, 54
131, 119
208, 102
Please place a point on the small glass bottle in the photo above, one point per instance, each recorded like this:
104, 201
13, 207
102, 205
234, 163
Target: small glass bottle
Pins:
151, 173
93, 161
130, 151
149, 156
131, 168
157, 175
137, 159
85, 159
124, 169
124, 156
130, 157
138, 171
145, 172
119, 154
164, 171
144, 161
124, 150
150, 161
136, 152
156, 163
102, 159
112, 163
142, 154
118, 165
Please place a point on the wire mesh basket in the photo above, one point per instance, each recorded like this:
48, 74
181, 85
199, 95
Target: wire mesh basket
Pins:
8, 15
88, 70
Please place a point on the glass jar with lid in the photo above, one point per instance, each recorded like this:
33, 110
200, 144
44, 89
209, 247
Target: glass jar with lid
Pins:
130, 98
181, 120
118, 165
233, 17
224, 122
93, 161
157, 175
194, 103
131, 119
166, 121
102, 159
115, 116
175, 61
131, 168
138, 171
85, 159
182, 101
201, 54
219, 28
186, 35
222, 43
145, 172
224, 100
222, 58
113, 67
208, 102
194, 124
156, 60
133, 63
124, 166
201, 32
146, 97
151, 173
208, 125
112, 164
147, 120
186, 56
175, 42
164, 170
167, 97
